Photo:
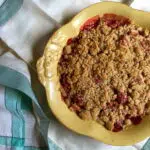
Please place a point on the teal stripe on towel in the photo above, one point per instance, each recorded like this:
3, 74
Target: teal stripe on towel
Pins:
13, 104
7, 141
8, 9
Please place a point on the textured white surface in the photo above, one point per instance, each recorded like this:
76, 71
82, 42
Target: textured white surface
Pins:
1, 2
27, 32
22, 31
9, 60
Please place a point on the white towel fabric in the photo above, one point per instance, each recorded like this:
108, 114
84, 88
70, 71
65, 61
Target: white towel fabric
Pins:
28, 31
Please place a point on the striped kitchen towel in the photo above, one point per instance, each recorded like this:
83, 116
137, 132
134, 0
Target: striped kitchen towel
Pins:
21, 128
26, 122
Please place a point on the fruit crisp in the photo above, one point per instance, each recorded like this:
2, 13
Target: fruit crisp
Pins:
105, 73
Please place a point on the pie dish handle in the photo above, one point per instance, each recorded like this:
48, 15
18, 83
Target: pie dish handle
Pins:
47, 64
41, 70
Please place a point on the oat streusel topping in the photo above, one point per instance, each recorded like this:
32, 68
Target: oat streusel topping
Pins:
105, 73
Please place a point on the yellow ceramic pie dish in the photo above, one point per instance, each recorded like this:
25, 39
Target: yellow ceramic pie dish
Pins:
47, 72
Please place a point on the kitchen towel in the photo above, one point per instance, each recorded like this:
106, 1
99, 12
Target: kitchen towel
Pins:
26, 121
